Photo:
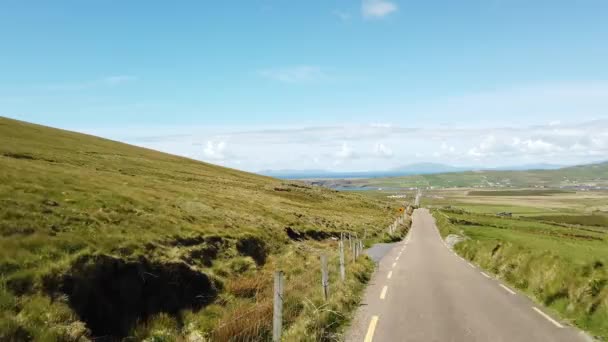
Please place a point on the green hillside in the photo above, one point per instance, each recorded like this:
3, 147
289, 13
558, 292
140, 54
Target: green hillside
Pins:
584, 175
85, 221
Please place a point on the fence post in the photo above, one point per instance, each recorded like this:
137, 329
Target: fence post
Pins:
353, 251
277, 314
324, 277
350, 243
342, 270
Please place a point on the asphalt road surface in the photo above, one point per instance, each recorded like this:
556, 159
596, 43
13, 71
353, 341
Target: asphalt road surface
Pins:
423, 291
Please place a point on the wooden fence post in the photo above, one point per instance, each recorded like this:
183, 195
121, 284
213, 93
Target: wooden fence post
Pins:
324, 277
277, 314
353, 251
342, 270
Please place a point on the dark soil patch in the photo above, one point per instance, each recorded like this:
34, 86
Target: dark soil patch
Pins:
18, 156
496, 248
310, 234
205, 254
187, 241
111, 295
253, 247
551, 298
299, 186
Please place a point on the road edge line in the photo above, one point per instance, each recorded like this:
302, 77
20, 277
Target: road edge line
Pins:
547, 317
507, 289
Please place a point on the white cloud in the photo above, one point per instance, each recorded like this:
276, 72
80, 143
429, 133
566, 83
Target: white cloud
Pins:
295, 74
382, 150
535, 146
346, 152
447, 148
215, 150
377, 8
371, 147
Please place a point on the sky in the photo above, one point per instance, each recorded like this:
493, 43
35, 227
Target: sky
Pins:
327, 85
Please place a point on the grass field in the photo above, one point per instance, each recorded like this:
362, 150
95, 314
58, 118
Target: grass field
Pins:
595, 175
523, 192
99, 238
554, 247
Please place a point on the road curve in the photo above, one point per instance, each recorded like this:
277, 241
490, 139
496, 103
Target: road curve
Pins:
422, 291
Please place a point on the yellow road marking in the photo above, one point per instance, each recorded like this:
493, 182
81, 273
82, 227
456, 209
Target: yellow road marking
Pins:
370, 330
383, 293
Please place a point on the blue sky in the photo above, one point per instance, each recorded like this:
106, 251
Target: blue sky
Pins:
342, 85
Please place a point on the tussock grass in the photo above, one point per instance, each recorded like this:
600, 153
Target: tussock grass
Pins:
65, 196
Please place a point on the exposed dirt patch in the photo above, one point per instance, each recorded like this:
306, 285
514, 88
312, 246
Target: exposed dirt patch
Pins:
310, 234
18, 156
208, 251
253, 247
299, 186
186, 241
496, 248
110, 295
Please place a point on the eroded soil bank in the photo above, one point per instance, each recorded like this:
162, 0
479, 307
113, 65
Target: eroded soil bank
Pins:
111, 295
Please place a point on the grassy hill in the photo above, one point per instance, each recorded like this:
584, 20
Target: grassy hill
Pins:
100, 238
586, 175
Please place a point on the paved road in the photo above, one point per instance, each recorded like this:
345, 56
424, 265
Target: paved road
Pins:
422, 291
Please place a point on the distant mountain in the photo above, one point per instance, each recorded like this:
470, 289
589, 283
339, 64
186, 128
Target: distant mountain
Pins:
323, 174
428, 168
580, 177
292, 173
406, 170
527, 167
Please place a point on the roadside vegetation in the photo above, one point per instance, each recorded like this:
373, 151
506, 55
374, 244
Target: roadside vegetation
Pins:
104, 240
560, 258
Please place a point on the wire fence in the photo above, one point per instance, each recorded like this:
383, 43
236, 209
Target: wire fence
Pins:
302, 291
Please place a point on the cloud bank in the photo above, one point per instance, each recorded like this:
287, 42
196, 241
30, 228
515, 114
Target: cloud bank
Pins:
379, 146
